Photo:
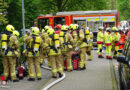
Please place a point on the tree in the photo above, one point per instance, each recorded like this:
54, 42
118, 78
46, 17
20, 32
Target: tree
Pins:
3, 13
31, 12
53, 6
15, 13
124, 8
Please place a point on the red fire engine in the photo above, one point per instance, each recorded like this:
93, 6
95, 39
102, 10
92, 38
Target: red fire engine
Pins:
90, 18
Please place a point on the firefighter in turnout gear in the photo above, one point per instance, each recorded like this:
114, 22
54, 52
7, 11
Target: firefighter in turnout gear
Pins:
10, 46
100, 39
74, 34
33, 50
46, 28
122, 39
83, 38
115, 38
90, 44
108, 43
44, 36
55, 53
67, 42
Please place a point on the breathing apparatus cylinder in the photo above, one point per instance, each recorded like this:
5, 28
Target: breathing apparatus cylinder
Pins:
37, 44
4, 41
57, 42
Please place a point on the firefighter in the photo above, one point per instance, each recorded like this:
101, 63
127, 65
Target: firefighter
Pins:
122, 39
10, 46
33, 50
67, 42
44, 36
108, 43
115, 39
90, 45
58, 28
74, 34
26, 35
100, 38
46, 28
83, 38
55, 53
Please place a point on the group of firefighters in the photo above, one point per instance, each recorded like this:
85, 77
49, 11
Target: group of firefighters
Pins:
55, 45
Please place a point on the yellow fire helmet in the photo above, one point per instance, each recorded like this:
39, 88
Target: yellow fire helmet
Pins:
86, 31
10, 28
114, 28
108, 29
16, 33
100, 28
50, 31
71, 26
47, 28
64, 28
77, 26
35, 31
74, 27
43, 30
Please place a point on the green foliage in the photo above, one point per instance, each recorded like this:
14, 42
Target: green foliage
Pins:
3, 14
53, 6
15, 13
124, 8
1, 66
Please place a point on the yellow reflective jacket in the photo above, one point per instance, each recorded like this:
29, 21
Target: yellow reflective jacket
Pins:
75, 38
66, 40
83, 39
55, 45
34, 46
107, 38
100, 37
12, 46
116, 36
90, 43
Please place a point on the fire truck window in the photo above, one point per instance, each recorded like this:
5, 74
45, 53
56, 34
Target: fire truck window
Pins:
59, 20
43, 22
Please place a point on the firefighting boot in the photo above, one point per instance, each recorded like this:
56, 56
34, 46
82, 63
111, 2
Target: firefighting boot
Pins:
16, 80
39, 78
60, 75
100, 56
79, 69
110, 57
106, 57
54, 76
84, 67
31, 79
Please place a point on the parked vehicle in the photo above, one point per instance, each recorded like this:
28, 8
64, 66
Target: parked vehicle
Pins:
124, 67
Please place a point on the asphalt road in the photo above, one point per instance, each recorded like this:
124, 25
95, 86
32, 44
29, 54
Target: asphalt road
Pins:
29, 85
97, 76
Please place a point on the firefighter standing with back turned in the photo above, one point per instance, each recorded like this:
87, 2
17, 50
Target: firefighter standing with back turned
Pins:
90, 45
74, 34
108, 43
33, 51
115, 39
9, 52
46, 28
67, 42
83, 38
54, 44
44, 36
100, 39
